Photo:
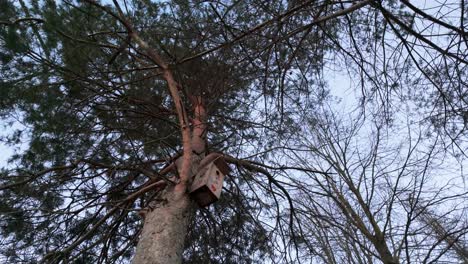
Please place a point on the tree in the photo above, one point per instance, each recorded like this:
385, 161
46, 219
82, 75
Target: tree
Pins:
122, 102
374, 201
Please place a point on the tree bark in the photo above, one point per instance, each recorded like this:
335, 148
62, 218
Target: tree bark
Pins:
164, 230
166, 223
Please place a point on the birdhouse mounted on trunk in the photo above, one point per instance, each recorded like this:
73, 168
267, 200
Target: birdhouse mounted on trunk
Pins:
208, 182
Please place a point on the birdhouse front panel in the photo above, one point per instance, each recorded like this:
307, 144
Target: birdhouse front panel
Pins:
215, 180
207, 184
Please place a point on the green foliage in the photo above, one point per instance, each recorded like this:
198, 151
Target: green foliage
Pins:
80, 96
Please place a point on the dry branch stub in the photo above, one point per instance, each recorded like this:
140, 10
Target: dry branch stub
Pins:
208, 182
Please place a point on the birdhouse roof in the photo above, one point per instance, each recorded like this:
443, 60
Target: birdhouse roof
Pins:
222, 165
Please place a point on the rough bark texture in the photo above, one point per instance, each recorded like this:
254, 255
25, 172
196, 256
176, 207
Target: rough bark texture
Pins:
165, 227
166, 222
164, 231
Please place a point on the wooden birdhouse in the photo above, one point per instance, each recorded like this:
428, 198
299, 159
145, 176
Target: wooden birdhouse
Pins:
208, 182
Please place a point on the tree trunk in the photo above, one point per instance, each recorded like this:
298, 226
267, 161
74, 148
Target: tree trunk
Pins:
384, 252
164, 230
166, 223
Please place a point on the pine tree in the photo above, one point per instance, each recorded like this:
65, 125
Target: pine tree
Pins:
120, 103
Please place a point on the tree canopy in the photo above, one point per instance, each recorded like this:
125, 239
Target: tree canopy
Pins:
363, 167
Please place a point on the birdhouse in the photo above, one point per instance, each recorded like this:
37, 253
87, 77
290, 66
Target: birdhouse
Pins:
208, 182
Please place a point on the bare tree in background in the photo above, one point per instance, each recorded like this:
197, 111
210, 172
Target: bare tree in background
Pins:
374, 203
